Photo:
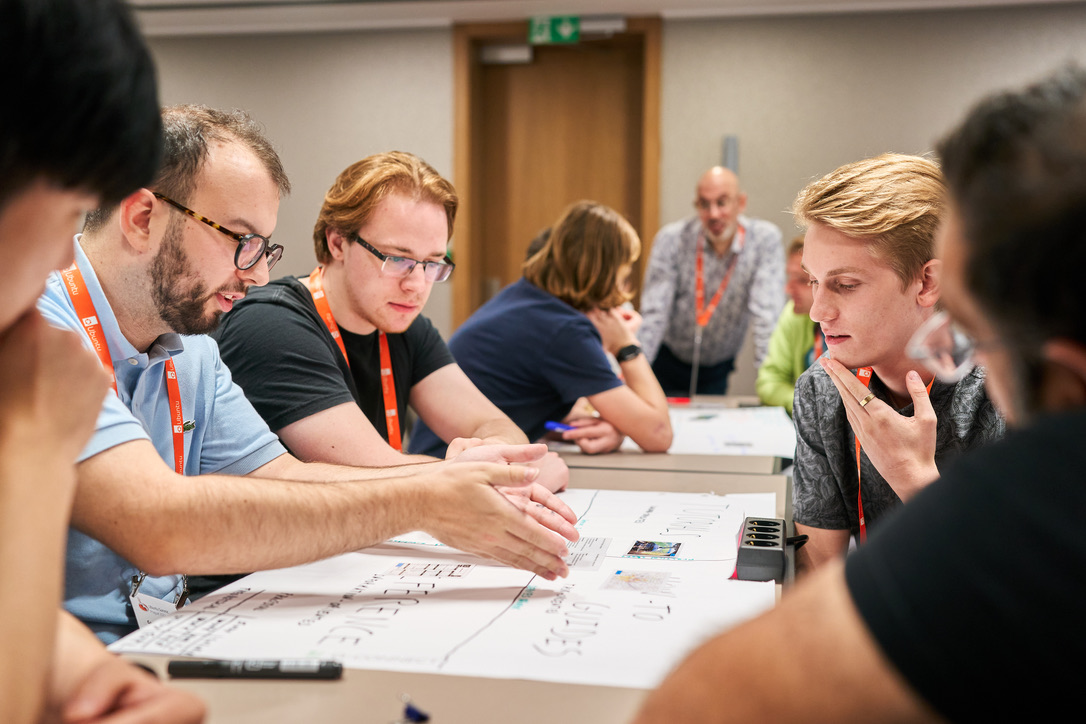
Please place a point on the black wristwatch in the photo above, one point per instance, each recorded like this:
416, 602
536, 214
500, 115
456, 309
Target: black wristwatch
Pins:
628, 352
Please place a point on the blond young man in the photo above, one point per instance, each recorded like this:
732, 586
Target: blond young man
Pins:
946, 613
869, 252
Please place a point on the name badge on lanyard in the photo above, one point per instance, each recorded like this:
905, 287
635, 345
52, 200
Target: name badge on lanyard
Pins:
315, 283
146, 607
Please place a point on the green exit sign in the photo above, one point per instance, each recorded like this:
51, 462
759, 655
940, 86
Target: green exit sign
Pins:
547, 29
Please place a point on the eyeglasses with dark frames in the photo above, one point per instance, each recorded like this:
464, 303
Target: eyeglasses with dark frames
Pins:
250, 246
402, 266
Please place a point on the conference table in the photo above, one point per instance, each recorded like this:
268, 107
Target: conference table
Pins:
366, 695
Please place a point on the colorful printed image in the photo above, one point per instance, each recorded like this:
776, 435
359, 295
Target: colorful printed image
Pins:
654, 548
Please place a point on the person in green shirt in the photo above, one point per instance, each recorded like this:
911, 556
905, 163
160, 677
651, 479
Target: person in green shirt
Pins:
796, 341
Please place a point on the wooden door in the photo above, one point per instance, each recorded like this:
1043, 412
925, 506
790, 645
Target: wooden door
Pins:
577, 122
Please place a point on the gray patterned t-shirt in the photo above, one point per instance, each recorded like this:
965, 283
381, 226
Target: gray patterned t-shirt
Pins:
824, 491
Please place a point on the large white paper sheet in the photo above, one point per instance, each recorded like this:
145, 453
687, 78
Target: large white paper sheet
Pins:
649, 580
730, 431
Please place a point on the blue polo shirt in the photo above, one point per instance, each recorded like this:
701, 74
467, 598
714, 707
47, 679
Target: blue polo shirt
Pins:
227, 437
531, 354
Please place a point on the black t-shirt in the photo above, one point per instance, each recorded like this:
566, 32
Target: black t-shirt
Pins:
975, 589
281, 353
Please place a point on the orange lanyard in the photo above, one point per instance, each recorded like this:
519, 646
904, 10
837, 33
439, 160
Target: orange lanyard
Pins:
863, 374
88, 317
703, 312
314, 282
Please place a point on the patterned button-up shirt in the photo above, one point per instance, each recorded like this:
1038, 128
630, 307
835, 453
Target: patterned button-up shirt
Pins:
756, 291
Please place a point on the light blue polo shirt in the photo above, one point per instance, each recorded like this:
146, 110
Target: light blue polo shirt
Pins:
227, 437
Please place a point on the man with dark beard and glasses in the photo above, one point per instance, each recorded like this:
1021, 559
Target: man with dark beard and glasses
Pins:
152, 276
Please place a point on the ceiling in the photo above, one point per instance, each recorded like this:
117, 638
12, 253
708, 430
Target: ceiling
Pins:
205, 17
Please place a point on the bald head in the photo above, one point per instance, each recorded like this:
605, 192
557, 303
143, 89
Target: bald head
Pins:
718, 175
719, 201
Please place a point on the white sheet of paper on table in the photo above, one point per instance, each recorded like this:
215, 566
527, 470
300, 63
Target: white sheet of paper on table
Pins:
730, 431
651, 583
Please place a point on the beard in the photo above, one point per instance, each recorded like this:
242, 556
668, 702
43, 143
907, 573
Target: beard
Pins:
179, 296
727, 234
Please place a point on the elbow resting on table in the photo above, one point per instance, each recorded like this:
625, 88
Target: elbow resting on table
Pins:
657, 440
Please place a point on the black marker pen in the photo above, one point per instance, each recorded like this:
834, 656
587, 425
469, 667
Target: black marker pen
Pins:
289, 669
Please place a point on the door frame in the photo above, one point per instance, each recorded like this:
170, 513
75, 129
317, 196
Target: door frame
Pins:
467, 293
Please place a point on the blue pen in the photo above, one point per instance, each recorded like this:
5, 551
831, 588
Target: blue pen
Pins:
557, 426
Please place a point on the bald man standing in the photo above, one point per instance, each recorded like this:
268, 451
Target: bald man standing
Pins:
708, 277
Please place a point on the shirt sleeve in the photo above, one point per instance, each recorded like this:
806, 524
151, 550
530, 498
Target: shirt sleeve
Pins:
116, 424
767, 291
658, 294
236, 441
775, 384
576, 365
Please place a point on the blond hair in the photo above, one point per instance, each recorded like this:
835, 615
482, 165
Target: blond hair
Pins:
894, 202
360, 187
590, 250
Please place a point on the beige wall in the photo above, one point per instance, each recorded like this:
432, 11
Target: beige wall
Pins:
802, 94
326, 101
806, 94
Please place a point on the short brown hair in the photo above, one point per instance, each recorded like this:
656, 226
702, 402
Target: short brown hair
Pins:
893, 201
360, 187
794, 247
582, 261
188, 132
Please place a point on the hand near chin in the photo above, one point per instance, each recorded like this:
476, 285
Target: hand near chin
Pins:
614, 327
901, 448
